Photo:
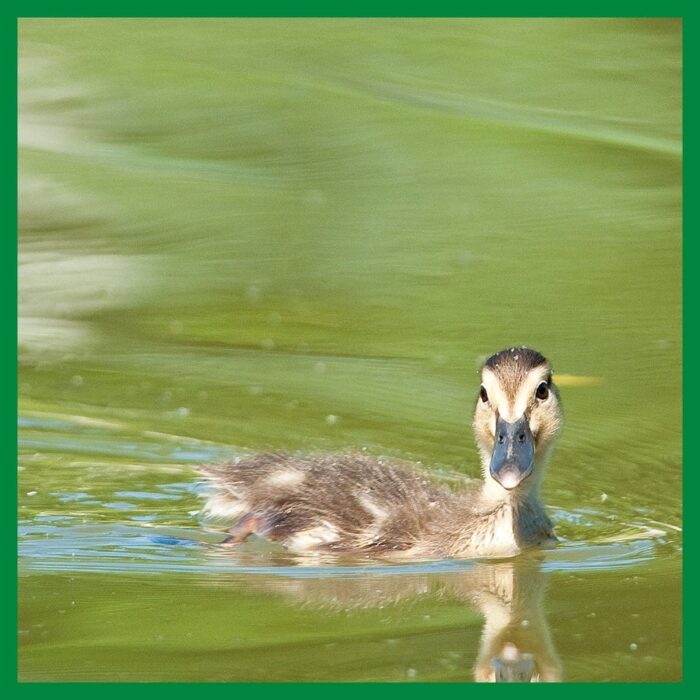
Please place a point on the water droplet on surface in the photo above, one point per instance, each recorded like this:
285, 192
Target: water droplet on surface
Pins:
314, 198
253, 293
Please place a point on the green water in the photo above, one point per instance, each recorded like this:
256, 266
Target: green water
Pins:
239, 235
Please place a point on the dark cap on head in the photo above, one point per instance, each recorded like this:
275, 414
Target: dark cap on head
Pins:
523, 357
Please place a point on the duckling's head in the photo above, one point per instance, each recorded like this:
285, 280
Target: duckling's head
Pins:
516, 420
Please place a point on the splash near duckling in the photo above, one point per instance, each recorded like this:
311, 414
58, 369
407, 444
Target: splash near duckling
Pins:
353, 504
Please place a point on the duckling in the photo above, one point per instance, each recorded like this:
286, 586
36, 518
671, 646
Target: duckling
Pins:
354, 504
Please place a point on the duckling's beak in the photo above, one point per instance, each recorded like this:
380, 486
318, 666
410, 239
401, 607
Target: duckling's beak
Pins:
513, 452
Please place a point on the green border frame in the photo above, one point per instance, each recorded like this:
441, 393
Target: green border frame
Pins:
687, 11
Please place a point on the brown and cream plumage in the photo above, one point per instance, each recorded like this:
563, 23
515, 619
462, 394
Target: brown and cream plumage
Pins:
355, 504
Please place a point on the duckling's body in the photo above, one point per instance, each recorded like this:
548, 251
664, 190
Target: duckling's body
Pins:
352, 503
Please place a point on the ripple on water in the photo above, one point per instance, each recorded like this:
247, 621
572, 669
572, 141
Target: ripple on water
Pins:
58, 545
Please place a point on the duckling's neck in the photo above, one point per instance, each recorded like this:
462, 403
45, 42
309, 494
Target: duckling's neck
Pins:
506, 522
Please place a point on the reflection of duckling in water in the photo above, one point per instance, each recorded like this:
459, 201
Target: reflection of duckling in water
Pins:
515, 644
357, 505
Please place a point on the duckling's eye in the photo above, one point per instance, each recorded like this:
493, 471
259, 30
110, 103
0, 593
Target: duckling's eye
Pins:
542, 391
484, 396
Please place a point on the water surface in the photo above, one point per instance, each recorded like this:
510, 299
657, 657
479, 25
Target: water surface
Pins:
240, 235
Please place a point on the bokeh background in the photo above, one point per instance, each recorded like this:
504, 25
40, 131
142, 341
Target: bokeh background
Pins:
305, 234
